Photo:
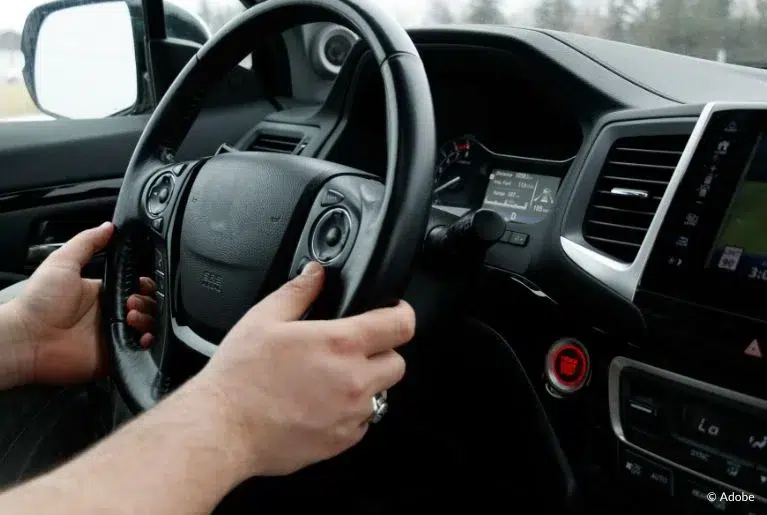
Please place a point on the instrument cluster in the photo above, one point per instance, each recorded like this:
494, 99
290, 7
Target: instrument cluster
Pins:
470, 176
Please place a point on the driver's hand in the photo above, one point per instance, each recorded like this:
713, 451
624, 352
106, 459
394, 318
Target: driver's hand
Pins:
298, 392
58, 316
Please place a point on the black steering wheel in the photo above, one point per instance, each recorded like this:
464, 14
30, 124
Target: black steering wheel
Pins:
229, 229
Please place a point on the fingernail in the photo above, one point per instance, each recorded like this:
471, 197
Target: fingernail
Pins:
105, 226
311, 268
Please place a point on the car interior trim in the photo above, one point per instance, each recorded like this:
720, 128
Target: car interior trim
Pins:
620, 276
621, 363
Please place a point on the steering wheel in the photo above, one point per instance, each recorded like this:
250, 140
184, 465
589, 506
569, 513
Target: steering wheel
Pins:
228, 229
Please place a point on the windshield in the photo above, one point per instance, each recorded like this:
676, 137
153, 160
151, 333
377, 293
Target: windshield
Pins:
733, 31
723, 30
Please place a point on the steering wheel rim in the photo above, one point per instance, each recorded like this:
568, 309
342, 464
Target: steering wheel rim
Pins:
376, 255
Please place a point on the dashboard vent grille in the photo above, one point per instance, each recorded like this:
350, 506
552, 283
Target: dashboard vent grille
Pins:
630, 187
279, 143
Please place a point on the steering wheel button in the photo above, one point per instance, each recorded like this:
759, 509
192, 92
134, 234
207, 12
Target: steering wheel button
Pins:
333, 236
163, 194
157, 224
567, 366
330, 235
331, 198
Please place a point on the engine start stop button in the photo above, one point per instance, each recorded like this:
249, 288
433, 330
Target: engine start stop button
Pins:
567, 366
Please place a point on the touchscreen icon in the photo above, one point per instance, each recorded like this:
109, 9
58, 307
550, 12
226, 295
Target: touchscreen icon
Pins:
730, 258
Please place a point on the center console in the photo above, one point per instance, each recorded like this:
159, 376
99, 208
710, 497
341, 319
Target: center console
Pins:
703, 294
684, 439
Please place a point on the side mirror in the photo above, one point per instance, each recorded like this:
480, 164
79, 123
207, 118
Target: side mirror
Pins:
85, 58
81, 58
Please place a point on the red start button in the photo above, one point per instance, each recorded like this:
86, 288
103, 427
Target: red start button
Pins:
567, 366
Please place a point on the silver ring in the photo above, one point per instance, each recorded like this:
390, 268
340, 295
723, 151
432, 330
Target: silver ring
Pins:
380, 407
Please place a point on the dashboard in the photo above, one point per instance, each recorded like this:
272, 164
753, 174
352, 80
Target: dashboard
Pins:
634, 204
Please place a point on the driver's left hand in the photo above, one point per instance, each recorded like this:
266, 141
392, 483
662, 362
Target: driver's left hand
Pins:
58, 315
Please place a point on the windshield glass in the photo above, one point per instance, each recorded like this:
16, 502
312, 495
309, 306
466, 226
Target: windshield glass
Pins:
723, 30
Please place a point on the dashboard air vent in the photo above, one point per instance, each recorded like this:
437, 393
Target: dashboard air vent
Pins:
630, 187
279, 143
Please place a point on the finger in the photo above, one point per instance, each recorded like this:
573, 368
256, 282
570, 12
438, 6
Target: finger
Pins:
386, 370
146, 286
141, 322
81, 248
294, 298
377, 331
146, 340
142, 303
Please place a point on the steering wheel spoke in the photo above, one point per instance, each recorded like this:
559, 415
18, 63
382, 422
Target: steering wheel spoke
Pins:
341, 232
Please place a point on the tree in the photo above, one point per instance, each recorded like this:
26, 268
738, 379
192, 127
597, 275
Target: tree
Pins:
440, 13
620, 14
485, 12
555, 14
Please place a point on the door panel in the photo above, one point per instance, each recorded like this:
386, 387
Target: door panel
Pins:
58, 177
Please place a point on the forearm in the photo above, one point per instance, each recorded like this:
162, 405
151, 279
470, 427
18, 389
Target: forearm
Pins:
16, 353
180, 458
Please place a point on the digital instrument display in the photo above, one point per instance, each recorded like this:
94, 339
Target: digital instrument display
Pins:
741, 246
521, 197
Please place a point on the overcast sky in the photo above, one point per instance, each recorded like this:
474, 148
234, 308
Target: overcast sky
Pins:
409, 12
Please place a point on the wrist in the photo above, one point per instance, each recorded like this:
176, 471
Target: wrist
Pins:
222, 428
17, 349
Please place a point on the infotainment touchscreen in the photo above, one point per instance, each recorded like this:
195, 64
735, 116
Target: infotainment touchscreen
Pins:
741, 245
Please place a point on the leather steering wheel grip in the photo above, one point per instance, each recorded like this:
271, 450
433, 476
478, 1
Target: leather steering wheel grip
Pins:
411, 143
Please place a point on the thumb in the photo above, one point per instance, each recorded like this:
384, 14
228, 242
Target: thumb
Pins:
291, 301
82, 247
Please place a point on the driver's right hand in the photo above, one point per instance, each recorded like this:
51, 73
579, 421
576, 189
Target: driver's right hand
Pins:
295, 392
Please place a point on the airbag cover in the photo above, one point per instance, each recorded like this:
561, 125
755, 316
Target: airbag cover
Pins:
235, 219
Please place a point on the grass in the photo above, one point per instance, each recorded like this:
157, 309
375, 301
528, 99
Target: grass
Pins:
15, 101
747, 226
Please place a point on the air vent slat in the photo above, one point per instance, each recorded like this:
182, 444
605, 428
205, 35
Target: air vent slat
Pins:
276, 143
630, 187
642, 165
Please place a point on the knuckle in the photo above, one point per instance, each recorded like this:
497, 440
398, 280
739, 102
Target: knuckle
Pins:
342, 343
356, 388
